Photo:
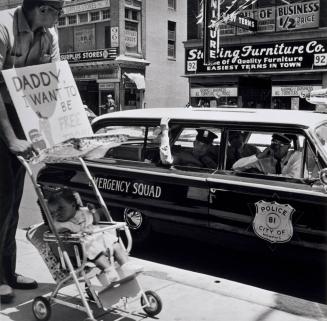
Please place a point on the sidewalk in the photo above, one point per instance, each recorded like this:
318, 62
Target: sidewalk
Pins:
186, 296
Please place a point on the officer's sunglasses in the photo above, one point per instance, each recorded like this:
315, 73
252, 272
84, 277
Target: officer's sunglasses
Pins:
59, 11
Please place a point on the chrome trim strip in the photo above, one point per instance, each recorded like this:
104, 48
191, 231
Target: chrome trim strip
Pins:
262, 186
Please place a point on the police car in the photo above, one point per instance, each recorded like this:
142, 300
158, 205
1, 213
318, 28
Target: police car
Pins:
244, 208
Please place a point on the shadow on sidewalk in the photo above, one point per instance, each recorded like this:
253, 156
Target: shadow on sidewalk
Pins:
21, 308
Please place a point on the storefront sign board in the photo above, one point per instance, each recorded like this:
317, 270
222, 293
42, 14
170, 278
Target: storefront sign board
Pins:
48, 103
214, 92
293, 91
114, 36
90, 55
94, 5
211, 13
281, 56
298, 15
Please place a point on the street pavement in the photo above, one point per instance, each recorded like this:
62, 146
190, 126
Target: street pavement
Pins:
186, 295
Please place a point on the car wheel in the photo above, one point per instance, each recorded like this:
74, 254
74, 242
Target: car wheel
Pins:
138, 224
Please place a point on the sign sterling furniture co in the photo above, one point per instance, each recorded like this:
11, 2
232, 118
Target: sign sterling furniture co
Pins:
280, 56
48, 103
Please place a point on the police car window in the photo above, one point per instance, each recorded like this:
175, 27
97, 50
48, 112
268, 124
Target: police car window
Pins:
130, 142
269, 153
197, 147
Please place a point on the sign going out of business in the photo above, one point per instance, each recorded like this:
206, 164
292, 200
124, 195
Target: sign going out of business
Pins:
300, 55
48, 103
299, 15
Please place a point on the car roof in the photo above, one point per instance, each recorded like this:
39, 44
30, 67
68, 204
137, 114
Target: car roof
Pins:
239, 115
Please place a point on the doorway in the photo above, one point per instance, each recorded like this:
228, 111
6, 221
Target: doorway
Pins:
255, 92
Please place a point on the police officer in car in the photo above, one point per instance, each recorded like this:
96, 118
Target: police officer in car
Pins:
204, 154
275, 159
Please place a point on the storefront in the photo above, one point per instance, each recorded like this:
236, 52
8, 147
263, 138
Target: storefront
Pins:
262, 75
101, 72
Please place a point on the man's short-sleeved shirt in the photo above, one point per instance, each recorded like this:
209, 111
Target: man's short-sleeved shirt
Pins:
20, 47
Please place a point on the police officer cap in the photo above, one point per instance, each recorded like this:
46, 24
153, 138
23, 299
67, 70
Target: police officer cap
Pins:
205, 136
282, 138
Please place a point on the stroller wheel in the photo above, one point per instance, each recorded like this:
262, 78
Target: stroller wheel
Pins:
41, 308
155, 304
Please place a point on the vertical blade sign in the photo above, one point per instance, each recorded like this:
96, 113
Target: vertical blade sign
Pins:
210, 30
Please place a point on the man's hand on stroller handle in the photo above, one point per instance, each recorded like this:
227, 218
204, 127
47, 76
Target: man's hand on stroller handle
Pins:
23, 148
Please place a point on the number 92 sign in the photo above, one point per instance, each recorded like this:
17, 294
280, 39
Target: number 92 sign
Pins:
320, 60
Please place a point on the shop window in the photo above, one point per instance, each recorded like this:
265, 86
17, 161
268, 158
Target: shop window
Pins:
95, 16
132, 96
83, 17
172, 4
105, 14
171, 39
72, 20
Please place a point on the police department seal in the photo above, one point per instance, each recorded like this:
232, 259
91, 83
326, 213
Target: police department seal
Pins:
273, 221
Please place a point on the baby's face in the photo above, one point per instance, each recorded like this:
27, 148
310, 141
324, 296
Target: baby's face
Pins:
62, 211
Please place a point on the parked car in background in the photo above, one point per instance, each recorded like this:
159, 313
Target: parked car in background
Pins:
245, 209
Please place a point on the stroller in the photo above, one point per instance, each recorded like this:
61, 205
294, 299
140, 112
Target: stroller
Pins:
67, 262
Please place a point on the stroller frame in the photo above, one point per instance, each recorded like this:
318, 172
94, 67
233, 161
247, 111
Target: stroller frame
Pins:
103, 297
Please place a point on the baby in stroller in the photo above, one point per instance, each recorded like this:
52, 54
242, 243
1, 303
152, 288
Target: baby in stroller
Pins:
100, 248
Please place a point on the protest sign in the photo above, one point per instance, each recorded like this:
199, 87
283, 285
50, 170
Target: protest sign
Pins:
48, 103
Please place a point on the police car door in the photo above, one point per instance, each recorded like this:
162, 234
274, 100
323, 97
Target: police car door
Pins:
270, 211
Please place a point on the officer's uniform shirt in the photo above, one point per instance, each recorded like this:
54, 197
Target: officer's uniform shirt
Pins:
290, 164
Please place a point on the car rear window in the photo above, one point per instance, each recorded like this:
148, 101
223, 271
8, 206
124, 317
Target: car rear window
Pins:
140, 143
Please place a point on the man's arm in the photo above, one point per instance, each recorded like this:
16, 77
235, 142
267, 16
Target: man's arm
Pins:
293, 167
7, 134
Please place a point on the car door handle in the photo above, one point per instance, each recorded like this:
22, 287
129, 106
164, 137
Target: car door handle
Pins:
214, 190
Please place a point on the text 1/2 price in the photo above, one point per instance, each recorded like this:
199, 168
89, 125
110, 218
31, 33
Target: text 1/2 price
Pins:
320, 60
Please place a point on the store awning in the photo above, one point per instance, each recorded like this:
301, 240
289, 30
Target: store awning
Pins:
137, 78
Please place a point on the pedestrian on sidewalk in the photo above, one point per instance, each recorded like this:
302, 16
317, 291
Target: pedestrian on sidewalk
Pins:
110, 105
27, 37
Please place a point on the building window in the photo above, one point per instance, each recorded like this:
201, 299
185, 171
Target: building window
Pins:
105, 14
171, 39
83, 17
131, 14
95, 16
72, 20
132, 30
62, 21
172, 4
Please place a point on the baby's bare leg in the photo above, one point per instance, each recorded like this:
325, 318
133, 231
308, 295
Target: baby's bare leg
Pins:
120, 254
102, 262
